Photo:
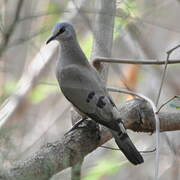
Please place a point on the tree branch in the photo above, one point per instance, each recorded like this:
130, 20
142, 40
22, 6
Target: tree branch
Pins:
72, 148
98, 60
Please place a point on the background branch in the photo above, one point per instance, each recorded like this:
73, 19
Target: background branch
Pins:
8, 33
98, 60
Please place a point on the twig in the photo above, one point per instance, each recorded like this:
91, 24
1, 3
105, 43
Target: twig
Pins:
115, 89
116, 149
169, 100
171, 50
155, 115
162, 80
157, 101
98, 60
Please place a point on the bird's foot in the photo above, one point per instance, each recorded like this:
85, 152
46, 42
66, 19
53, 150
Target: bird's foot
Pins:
75, 125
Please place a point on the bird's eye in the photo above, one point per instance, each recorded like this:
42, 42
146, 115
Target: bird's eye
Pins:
62, 30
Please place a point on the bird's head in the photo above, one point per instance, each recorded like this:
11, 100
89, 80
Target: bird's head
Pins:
62, 31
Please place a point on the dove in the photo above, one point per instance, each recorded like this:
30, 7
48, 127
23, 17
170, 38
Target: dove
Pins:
82, 85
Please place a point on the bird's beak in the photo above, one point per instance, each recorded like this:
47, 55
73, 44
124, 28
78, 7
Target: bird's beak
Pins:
51, 38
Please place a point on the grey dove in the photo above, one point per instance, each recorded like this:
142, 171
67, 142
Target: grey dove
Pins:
82, 86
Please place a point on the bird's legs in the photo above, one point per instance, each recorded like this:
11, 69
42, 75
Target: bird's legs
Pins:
76, 125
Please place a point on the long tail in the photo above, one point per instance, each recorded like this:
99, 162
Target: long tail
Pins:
127, 147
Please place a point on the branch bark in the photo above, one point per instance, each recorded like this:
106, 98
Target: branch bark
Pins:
72, 148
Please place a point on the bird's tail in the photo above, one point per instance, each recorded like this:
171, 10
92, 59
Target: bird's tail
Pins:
127, 147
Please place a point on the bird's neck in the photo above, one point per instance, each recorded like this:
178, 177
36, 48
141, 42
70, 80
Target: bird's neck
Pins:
71, 53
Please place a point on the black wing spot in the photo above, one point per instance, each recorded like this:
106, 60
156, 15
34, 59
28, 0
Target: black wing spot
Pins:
101, 102
90, 96
119, 133
110, 124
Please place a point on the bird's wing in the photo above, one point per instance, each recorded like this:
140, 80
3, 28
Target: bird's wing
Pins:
85, 90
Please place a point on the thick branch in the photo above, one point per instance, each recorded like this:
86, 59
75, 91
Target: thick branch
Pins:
103, 33
54, 157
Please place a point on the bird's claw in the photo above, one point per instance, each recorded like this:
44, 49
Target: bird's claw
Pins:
75, 125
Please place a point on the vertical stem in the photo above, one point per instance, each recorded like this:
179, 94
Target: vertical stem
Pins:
76, 171
103, 32
103, 40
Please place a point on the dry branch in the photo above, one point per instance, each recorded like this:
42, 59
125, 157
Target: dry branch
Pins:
98, 60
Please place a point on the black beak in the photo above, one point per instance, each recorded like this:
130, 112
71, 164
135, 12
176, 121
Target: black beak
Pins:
50, 39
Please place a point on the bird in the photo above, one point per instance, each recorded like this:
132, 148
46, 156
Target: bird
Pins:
82, 85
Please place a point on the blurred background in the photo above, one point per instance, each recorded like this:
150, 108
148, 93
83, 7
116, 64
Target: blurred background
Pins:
33, 106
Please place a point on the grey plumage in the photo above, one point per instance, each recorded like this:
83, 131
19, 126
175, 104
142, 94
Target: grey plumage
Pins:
83, 87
